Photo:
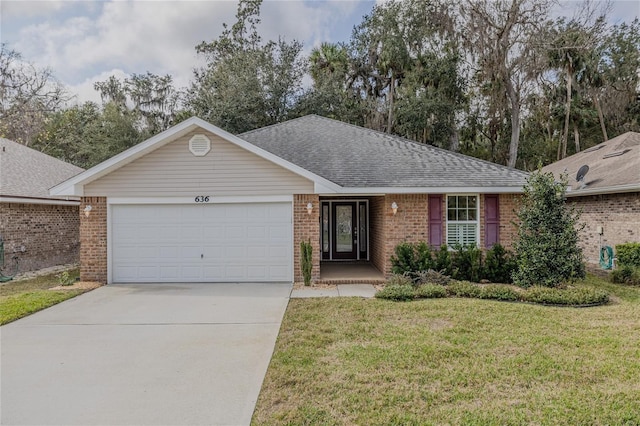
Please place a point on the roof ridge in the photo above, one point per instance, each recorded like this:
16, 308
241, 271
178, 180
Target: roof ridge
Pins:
276, 124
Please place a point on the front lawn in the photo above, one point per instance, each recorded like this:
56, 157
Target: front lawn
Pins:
21, 298
351, 361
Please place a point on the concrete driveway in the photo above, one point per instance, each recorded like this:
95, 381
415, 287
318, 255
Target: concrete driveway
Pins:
146, 354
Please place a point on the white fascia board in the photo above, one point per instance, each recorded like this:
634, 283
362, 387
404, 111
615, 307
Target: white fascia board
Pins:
28, 200
75, 185
322, 189
212, 200
632, 187
434, 190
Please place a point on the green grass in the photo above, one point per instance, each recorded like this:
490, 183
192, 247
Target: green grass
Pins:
21, 298
350, 361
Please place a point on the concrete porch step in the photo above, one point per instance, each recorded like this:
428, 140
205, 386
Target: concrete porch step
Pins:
332, 281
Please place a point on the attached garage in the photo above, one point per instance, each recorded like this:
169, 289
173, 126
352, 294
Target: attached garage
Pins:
207, 242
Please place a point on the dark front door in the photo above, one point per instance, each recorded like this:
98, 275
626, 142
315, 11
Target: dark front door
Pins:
344, 230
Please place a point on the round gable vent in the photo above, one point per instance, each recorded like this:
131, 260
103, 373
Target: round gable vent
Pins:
199, 145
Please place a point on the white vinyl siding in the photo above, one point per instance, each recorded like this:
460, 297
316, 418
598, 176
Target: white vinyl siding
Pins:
172, 170
463, 224
235, 242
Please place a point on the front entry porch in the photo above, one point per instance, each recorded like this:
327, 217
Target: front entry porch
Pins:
361, 272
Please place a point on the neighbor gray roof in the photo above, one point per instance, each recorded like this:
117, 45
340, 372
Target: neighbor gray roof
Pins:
356, 157
614, 166
25, 172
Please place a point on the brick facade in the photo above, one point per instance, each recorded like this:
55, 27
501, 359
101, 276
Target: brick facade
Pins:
411, 222
377, 216
509, 205
386, 230
93, 240
306, 227
40, 235
619, 216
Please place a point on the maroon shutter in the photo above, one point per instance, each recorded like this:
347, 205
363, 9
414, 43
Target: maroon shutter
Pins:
491, 220
435, 220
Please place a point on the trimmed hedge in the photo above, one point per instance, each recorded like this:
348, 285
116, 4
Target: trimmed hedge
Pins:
396, 292
572, 296
628, 254
499, 292
430, 291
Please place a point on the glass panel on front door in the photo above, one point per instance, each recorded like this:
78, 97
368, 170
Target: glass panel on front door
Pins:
344, 229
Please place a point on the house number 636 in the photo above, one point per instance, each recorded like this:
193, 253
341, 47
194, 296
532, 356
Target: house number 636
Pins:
202, 199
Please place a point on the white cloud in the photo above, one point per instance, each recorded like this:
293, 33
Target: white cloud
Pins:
158, 36
16, 9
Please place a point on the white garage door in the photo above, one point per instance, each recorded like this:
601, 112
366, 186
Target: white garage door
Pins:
201, 243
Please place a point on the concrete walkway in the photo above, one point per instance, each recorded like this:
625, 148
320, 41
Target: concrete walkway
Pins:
146, 354
345, 290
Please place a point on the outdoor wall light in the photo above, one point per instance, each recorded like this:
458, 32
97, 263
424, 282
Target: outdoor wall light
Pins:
309, 208
87, 210
394, 207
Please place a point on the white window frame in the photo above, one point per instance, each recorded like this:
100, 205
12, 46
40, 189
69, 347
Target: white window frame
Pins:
462, 222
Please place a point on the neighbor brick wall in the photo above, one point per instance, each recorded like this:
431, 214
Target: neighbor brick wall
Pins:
306, 227
509, 205
49, 234
93, 240
619, 216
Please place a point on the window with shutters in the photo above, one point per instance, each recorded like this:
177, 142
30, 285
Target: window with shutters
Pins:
462, 220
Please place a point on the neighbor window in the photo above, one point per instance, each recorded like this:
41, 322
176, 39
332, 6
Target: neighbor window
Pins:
462, 220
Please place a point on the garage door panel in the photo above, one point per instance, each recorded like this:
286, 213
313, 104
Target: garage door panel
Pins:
201, 243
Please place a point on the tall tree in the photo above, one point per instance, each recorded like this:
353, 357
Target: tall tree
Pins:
570, 52
246, 84
88, 134
502, 37
27, 96
153, 99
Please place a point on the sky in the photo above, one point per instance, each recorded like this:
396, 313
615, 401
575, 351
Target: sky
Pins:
87, 41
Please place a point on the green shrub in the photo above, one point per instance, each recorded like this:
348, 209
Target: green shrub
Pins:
397, 292
466, 263
547, 245
306, 261
572, 296
443, 260
499, 292
626, 274
628, 254
499, 265
65, 279
397, 279
430, 291
404, 260
411, 258
432, 277
463, 289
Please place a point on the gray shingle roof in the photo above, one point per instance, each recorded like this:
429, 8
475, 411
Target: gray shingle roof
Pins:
25, 172
356, 157
614, 163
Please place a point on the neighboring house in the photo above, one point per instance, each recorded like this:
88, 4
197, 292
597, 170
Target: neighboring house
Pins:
609, 194
198, 204
40, 229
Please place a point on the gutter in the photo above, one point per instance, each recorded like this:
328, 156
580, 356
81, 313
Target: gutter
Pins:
632, 187
67, 201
